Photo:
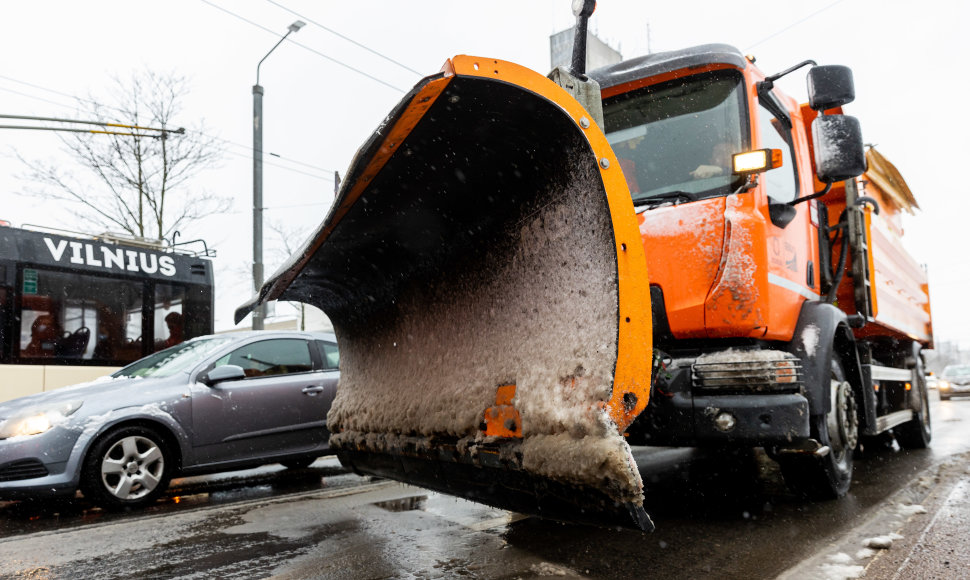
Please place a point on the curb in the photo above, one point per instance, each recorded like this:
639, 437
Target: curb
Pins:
861, 548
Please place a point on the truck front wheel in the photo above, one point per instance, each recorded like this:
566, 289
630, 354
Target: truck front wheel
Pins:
828, 476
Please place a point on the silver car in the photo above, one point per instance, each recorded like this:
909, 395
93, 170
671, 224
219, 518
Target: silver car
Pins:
213, 403
954, 382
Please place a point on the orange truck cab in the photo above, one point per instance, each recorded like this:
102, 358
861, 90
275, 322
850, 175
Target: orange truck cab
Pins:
786, 312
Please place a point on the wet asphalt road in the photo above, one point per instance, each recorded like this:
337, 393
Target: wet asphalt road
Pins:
325, 523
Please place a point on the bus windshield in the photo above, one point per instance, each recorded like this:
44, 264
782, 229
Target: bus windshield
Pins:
674, 140
179, 358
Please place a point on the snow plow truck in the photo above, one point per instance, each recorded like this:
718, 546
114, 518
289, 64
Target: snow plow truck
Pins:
527, 275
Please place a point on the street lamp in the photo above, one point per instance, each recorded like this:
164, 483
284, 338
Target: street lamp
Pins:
259, 314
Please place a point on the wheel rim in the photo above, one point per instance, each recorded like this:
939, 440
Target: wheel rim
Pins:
132, 468
843, 421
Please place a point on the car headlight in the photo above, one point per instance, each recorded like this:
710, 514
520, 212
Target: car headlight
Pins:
37, 420
944, 385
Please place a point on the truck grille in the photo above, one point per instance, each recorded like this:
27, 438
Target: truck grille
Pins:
22, 469
748, 371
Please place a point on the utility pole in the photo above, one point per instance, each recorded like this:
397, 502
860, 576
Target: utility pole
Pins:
259, 314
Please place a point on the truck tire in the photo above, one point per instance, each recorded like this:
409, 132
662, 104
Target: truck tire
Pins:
917, 433
828, 476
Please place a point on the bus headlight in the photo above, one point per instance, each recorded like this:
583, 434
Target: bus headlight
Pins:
38, 420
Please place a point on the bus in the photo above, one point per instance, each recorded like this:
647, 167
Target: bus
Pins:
75, 307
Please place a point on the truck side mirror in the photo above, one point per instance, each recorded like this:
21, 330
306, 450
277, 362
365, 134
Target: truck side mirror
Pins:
830, 86
839, 150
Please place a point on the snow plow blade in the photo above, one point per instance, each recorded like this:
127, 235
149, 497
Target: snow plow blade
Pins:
483, 270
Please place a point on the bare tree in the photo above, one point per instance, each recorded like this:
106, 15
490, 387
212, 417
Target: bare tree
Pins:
290, 240
140, 185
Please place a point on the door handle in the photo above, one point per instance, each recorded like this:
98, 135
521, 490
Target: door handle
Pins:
312, 391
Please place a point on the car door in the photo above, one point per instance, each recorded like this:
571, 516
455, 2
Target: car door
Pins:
330, 361
279, 408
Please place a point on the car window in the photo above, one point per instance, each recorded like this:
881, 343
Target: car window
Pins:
170, 361
271, 357
331, 356
957, 371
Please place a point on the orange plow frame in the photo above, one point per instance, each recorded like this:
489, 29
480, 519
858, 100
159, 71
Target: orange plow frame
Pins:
407, 210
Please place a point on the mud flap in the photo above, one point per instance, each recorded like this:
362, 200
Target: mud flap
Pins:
483, 269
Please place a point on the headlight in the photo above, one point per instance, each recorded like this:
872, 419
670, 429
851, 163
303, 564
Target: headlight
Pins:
38, 420
944, 385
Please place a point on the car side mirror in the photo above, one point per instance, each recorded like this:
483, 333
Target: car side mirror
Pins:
223, 373
830, 86
839, 151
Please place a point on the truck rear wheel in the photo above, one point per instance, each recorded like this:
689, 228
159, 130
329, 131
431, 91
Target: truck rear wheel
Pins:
829, 476
917, 433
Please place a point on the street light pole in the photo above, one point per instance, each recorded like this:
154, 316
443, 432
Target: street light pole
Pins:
259, 314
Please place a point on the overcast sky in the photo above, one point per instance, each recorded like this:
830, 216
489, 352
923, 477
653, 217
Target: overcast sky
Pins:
324, 95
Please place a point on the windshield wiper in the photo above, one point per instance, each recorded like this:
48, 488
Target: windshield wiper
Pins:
653, 200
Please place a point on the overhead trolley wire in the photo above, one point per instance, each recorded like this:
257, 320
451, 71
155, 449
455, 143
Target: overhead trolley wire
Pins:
793, 25
305, 47
248, 148
348, 39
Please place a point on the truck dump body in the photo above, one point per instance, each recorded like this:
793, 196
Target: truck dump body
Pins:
897, 286
483, 271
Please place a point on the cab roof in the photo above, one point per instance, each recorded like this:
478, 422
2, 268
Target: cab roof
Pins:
664, 62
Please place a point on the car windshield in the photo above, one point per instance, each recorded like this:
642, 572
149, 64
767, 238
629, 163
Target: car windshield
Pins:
957, 371
647, 127
170, 361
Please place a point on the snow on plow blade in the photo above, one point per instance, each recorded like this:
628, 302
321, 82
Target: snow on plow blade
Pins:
483, 269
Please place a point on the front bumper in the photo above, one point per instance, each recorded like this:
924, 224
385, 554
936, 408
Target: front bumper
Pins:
41, 465
679, 416
955, 391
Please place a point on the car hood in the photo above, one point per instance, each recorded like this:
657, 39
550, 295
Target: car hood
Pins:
99, 394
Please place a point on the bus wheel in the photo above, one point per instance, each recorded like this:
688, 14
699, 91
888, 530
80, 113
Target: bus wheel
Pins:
828, 476
129, 467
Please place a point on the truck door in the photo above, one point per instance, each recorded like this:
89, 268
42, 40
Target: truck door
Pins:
792, 251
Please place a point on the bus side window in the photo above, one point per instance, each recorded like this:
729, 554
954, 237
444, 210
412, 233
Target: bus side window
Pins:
4, 298
169, 323
40, 329
76, 316
4, 305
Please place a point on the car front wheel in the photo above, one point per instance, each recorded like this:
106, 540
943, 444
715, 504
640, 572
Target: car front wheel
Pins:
129, 467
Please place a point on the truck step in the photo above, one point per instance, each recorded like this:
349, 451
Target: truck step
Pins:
891, 420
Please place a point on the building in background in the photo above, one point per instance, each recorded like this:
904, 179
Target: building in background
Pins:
303, 317
598, 53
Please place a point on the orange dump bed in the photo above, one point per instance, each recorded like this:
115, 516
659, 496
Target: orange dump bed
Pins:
898, 285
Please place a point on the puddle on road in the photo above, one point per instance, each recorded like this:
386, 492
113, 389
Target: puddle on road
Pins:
404, 504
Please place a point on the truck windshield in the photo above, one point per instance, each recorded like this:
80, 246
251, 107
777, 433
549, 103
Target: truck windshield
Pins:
675, 140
